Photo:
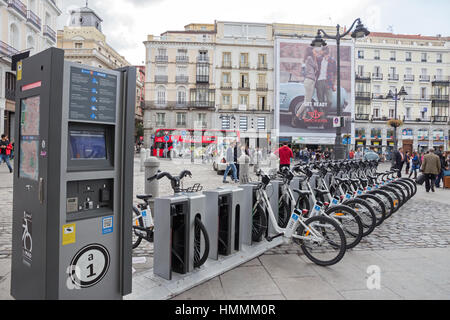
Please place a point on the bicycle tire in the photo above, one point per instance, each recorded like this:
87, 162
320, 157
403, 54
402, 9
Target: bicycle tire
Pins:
200, 227
284, 212
406, 188
138, 240
395, 197
370, 219
259, 223
412, 183
380, 211
352, 238
341, 247
400, 191
387, 199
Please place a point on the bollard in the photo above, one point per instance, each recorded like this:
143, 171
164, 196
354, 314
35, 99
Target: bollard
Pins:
143, 156
151, 187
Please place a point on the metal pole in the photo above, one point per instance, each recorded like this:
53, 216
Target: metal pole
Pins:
338, 148
395, 128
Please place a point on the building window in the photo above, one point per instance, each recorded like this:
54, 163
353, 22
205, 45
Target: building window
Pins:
243, 123
439, 58
393, 56
181, 96
262, 61
226, 99
243, 60
391, 113
243, 80
262, 103
424, 57
225, 123
423, 93
226, 78
160, 119
181, 119
161, 95
408, 56
377, 55
203, 55
360, 54
376, 113
261, 123
202, 119
360, 70
243, 100
78, 45
226, 59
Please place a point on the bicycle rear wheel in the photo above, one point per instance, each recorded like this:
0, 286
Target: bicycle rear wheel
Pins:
259, 225
330, 246
284, 212
137, 223
199, 231
377, 205
365, 212
350, 222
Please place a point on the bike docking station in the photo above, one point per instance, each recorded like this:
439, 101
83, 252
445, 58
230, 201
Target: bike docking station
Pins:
73, 187
227, 214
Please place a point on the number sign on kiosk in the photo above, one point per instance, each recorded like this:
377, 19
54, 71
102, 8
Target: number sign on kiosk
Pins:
73, 187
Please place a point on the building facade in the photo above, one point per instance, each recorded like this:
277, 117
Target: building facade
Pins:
180, 84
24, 26
421, 65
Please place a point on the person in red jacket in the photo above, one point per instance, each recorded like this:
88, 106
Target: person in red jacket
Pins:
5, 151
285, 153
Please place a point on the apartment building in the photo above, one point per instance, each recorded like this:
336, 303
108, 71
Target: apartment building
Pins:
244, 69
421, 65
24, 26
180, 83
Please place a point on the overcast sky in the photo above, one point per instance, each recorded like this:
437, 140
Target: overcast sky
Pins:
126, 23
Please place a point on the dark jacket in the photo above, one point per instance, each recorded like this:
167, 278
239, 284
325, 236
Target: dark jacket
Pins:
398, 159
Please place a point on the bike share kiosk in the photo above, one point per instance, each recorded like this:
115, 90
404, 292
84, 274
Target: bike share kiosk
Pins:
73, 180
176, 238
223, 220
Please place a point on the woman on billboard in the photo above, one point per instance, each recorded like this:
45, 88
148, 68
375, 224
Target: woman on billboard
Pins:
311, 71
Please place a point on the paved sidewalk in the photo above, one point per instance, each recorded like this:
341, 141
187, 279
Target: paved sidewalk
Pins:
411, 250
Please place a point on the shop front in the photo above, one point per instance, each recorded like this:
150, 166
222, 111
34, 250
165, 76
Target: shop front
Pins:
408, 140
423, 142
360, 138
438, 139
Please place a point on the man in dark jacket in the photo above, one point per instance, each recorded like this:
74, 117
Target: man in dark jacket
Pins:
440, 175
399, 160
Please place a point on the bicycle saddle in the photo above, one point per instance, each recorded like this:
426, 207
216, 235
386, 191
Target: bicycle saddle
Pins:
302, 192
320, 191
144, 197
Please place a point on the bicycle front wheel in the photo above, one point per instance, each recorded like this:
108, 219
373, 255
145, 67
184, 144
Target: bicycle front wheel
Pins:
199, 231
322, 240
137, 223
259, 219
350, 222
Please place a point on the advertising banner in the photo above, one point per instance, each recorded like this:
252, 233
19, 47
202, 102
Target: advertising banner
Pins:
306, 85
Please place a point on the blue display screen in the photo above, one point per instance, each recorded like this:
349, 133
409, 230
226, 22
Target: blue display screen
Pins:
87, 145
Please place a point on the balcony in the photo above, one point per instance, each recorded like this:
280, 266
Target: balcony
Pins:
424, 78
181, 104
53, 4
161, 79
362, 76
6, 50
362, 95
262, 87
262, 66
18, 8
442, 119
161, 59
182, 59
202, 79
393, 77
182, 79
203, 59
226, 86
226, 64
202, 104
441, 79
439, 97
244, 65
377, 76
49, 33
409, 77
244, 86
33, 20
362, 116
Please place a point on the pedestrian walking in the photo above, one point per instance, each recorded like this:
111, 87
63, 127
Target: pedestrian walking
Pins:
358, 154
431, 167
440, 175
230, 163
408, 162
398, 161
415, 164
5, 150
285, 154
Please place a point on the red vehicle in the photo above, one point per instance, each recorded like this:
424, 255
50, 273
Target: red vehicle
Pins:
187, 138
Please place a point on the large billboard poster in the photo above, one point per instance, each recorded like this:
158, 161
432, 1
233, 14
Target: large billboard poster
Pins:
306, 98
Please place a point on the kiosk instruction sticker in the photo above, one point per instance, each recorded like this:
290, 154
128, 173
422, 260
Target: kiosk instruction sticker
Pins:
69, 234
92, 95
107, 225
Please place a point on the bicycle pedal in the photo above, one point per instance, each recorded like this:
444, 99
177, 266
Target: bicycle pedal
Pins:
270, 239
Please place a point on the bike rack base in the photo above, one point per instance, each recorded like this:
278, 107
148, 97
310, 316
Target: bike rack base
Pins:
148, 286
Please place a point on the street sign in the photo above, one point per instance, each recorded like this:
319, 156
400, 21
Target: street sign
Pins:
338, 122
166, 138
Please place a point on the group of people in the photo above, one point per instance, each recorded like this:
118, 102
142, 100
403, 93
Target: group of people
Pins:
434, 164
234, 152
320, 74
306, 155
6, 151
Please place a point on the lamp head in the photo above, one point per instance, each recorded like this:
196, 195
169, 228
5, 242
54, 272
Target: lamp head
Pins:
402, 92
318, 41
390, 95
360, 31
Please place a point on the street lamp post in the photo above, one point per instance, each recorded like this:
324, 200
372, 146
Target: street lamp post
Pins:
395, 95
359, 32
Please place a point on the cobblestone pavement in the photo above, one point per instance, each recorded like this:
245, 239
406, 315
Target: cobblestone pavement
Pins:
420, 223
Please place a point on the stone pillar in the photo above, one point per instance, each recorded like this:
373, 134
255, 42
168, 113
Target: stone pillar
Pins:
151, 187
143, 155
